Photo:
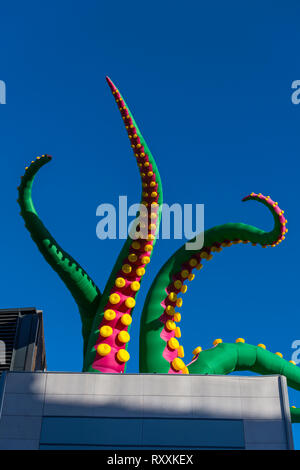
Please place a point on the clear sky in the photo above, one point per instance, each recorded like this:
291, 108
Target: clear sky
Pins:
209, 85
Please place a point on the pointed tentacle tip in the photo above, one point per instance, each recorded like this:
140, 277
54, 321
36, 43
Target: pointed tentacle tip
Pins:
111, 84
43, 157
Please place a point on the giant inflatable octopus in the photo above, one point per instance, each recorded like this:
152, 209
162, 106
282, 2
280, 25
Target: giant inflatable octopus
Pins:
106, 317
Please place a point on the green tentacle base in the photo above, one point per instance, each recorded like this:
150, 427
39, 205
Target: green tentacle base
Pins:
225, 358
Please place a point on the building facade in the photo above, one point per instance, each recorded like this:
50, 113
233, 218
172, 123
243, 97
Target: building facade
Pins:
50, 410
22, 344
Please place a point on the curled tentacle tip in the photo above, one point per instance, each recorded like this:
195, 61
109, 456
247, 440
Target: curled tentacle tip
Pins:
252, 196
240, 340
249, 196
260, 345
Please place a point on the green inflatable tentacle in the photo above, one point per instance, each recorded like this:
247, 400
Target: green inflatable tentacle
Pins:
107, 347
84, 291
295, 414
225, 358
160, 351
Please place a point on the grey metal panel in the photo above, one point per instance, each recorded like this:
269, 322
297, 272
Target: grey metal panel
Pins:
214, 385
119, 384
261, 408
217, 407
90, 384
262, 386
122, 407
93, 405
286, 411
23, 404
167, 406
71, 383
32, 342
92, 431
166, 385
68, 405
20, 427
198, 433
23, 342
26, 382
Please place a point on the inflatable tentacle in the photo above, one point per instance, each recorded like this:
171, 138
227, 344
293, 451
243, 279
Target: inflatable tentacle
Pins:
159, 347
84, 291
225, 358
295, 414
107, 350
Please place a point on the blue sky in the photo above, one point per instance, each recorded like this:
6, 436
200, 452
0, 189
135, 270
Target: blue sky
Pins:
210, 88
